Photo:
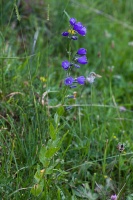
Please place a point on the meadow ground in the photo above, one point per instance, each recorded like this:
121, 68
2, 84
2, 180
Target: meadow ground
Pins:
58, 142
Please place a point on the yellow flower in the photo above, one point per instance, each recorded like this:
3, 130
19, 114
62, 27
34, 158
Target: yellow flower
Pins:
71, 31
43, 79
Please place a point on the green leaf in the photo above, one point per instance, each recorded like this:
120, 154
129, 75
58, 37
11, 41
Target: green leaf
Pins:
37, 189
52, 131
60, 111
37, 174
50, 153
49, 170
42, 157
67, 14
56, 119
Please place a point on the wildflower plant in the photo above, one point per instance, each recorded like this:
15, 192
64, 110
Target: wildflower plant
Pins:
46, 170
78, 59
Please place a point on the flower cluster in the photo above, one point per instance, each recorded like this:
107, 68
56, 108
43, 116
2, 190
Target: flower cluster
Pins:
76, 28
76, 60
79, 59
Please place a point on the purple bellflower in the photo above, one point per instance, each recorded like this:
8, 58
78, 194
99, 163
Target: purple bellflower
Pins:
82, 51
82, 31
72, 21
65, 34
66, 64
77, 26
82, 60
68, 81
81, 80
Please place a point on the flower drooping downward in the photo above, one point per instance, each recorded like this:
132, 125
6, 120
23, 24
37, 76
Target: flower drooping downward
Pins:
68, 80
65, 64
82, 60
82, 51
81, 80
65, 33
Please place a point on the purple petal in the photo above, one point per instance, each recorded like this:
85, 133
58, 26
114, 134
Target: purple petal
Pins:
72, 21
68, 80
65, 33
65, 65
77, 26
114, 197
82, 51
81, 80
82, 60
82, 31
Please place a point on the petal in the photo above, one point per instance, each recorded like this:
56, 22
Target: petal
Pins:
82, 60
77, 26
65, 64
72, 21
68, 80
82, 31
81, 80
65, 33
82, 51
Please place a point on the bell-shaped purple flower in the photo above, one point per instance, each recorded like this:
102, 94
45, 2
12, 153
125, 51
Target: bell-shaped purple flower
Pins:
66, 64
77, 26
114, 197
72, 21
82, 31
65, 33
81, 80
82, 51
68, 81
82, 60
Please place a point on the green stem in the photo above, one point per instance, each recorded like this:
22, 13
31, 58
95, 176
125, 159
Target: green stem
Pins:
119, 170
68, 73
104, 158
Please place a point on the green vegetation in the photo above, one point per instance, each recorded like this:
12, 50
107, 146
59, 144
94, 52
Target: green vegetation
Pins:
46, 151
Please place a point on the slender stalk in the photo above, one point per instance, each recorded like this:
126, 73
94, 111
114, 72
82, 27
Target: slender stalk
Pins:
104, 158
68, 73
119, 171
